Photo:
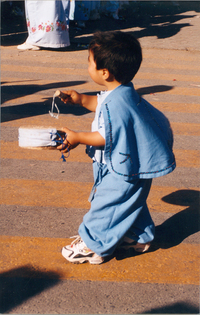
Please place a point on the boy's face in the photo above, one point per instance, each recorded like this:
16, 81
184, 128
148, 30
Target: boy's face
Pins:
96, 75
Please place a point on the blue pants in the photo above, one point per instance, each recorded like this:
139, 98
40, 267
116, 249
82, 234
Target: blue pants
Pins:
118, 209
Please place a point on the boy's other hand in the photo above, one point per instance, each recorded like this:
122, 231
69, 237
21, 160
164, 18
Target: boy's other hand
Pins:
71, 97
70, 142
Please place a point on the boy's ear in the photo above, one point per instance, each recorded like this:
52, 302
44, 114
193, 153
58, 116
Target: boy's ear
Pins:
107, 75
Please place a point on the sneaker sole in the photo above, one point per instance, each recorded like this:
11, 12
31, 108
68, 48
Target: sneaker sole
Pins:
82, 260
139, 248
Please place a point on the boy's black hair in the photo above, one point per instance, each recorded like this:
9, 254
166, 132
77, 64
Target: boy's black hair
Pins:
117, 51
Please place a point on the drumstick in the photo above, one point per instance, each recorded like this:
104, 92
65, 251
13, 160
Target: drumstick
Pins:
56, 94
59, 94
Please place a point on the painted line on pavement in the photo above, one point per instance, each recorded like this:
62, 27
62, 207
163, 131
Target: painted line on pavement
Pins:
186, 129
175, 265
176, 107
40, 193
147, 75
163, 106
179, 128
78, 71
80, 57
11, 150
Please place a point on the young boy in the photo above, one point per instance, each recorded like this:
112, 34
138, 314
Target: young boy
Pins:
130, 143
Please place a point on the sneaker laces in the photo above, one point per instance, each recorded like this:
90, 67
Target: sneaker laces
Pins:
78, 242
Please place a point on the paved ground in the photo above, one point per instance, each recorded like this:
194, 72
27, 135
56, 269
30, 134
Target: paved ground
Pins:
43, 199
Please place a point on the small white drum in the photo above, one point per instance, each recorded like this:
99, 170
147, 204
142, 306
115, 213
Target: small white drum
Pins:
36, 137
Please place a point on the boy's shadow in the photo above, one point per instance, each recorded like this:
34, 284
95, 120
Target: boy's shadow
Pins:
178, 227
181, 225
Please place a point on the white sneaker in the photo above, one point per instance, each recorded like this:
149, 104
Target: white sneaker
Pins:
138, 247
79, 253
26, 46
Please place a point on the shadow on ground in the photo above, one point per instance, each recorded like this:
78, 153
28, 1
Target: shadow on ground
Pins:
181, 225
20, 284
178, 227
13, 112
10, 92
176, 308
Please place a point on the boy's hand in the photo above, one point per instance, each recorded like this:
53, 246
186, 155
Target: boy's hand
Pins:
70, 142
71, 97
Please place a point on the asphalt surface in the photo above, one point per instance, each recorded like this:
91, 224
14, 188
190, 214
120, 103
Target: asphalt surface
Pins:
43, 199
